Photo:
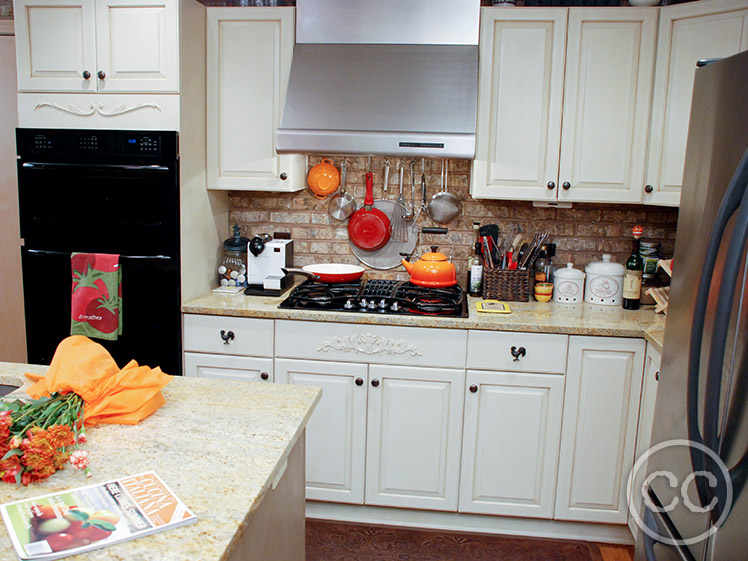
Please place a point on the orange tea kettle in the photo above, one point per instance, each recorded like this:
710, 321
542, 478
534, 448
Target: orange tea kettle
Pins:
323, 179
432, 269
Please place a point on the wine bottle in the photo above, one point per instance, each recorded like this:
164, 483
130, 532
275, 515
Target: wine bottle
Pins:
632, 277
475, 266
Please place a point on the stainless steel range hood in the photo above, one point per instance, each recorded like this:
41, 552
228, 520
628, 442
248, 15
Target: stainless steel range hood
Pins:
389, 77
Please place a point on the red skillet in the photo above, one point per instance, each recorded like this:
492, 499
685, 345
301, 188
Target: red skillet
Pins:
329, 272
369, 227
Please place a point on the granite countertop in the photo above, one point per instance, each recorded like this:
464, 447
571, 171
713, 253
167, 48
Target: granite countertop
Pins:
551, 317
219, 455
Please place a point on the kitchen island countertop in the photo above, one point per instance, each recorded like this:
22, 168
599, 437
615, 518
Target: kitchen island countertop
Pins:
220, 446
536, 317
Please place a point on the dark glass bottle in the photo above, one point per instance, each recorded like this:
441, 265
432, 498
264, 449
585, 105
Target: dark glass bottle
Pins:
475, 267
632, 277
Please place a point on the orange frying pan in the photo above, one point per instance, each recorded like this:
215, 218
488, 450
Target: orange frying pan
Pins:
369, 227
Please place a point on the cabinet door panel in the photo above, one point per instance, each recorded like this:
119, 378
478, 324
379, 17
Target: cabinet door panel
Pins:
610, 58
603, 386
336, 432
243, 368
55, 45
510, 447
413, 442
644, 430
249, 56
519, 106
687, 33
138, 48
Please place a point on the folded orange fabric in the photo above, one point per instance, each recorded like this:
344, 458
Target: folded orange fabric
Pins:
112, 395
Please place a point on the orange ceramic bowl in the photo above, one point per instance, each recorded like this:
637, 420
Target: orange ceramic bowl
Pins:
323, 179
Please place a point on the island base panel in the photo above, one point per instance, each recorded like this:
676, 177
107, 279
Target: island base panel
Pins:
275, 530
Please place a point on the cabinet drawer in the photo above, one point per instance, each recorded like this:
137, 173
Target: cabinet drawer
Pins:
253, 337
412, 346
224, 367
492, 350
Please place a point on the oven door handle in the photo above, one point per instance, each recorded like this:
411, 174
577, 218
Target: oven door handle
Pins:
47, 252
127, 167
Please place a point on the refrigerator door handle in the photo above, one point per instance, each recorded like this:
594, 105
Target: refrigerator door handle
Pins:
648, 541
718, 350
736, 191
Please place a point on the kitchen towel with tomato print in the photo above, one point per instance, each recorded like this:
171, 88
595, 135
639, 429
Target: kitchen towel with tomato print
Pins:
96, 306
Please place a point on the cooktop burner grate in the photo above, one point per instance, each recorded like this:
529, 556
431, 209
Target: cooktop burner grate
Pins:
379, 296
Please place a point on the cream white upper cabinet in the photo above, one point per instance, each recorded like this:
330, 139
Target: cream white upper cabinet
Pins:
607, 93
249, 54
522, 54
590, 69
687, 33
115, 46
601, 406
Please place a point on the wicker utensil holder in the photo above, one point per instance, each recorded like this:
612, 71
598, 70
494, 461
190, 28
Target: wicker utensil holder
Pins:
510, 285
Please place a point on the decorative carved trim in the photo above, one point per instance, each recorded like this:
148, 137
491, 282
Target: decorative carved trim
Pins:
72, 109
369, 344
114, 112
121, 109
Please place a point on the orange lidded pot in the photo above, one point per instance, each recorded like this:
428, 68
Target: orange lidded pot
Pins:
432, 269
323, 179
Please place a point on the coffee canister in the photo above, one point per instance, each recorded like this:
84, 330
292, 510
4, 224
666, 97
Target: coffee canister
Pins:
604, 282
568, 285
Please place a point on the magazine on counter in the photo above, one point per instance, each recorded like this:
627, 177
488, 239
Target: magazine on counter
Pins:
85, 518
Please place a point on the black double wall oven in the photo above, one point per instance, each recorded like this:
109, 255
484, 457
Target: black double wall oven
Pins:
102, 191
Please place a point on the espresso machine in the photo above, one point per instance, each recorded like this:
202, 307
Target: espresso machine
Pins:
266, 259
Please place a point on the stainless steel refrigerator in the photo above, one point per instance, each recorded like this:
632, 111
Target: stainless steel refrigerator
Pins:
697, 509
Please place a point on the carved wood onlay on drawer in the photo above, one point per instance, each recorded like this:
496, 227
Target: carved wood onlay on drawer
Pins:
92, 108
369, 344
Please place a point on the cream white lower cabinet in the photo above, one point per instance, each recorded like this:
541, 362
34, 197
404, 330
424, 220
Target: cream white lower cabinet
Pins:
466, 422
388, 429
246, 368
336, 432
228, 348
512, 426
644, 432
601, 406
413, 436
406, 449
510, 443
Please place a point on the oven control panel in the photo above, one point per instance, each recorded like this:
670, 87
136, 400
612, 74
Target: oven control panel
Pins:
98, 144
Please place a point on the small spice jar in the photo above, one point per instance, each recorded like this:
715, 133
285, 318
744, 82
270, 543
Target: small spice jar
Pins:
233, 268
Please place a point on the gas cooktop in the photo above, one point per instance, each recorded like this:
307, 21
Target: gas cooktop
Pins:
379, 296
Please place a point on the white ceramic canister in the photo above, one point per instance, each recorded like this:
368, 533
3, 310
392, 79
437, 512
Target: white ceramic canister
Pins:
568, 285
604, 282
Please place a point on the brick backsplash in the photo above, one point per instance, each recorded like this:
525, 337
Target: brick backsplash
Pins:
6, 9
581, 233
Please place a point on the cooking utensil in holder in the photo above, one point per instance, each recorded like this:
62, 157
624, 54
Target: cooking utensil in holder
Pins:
509, 285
